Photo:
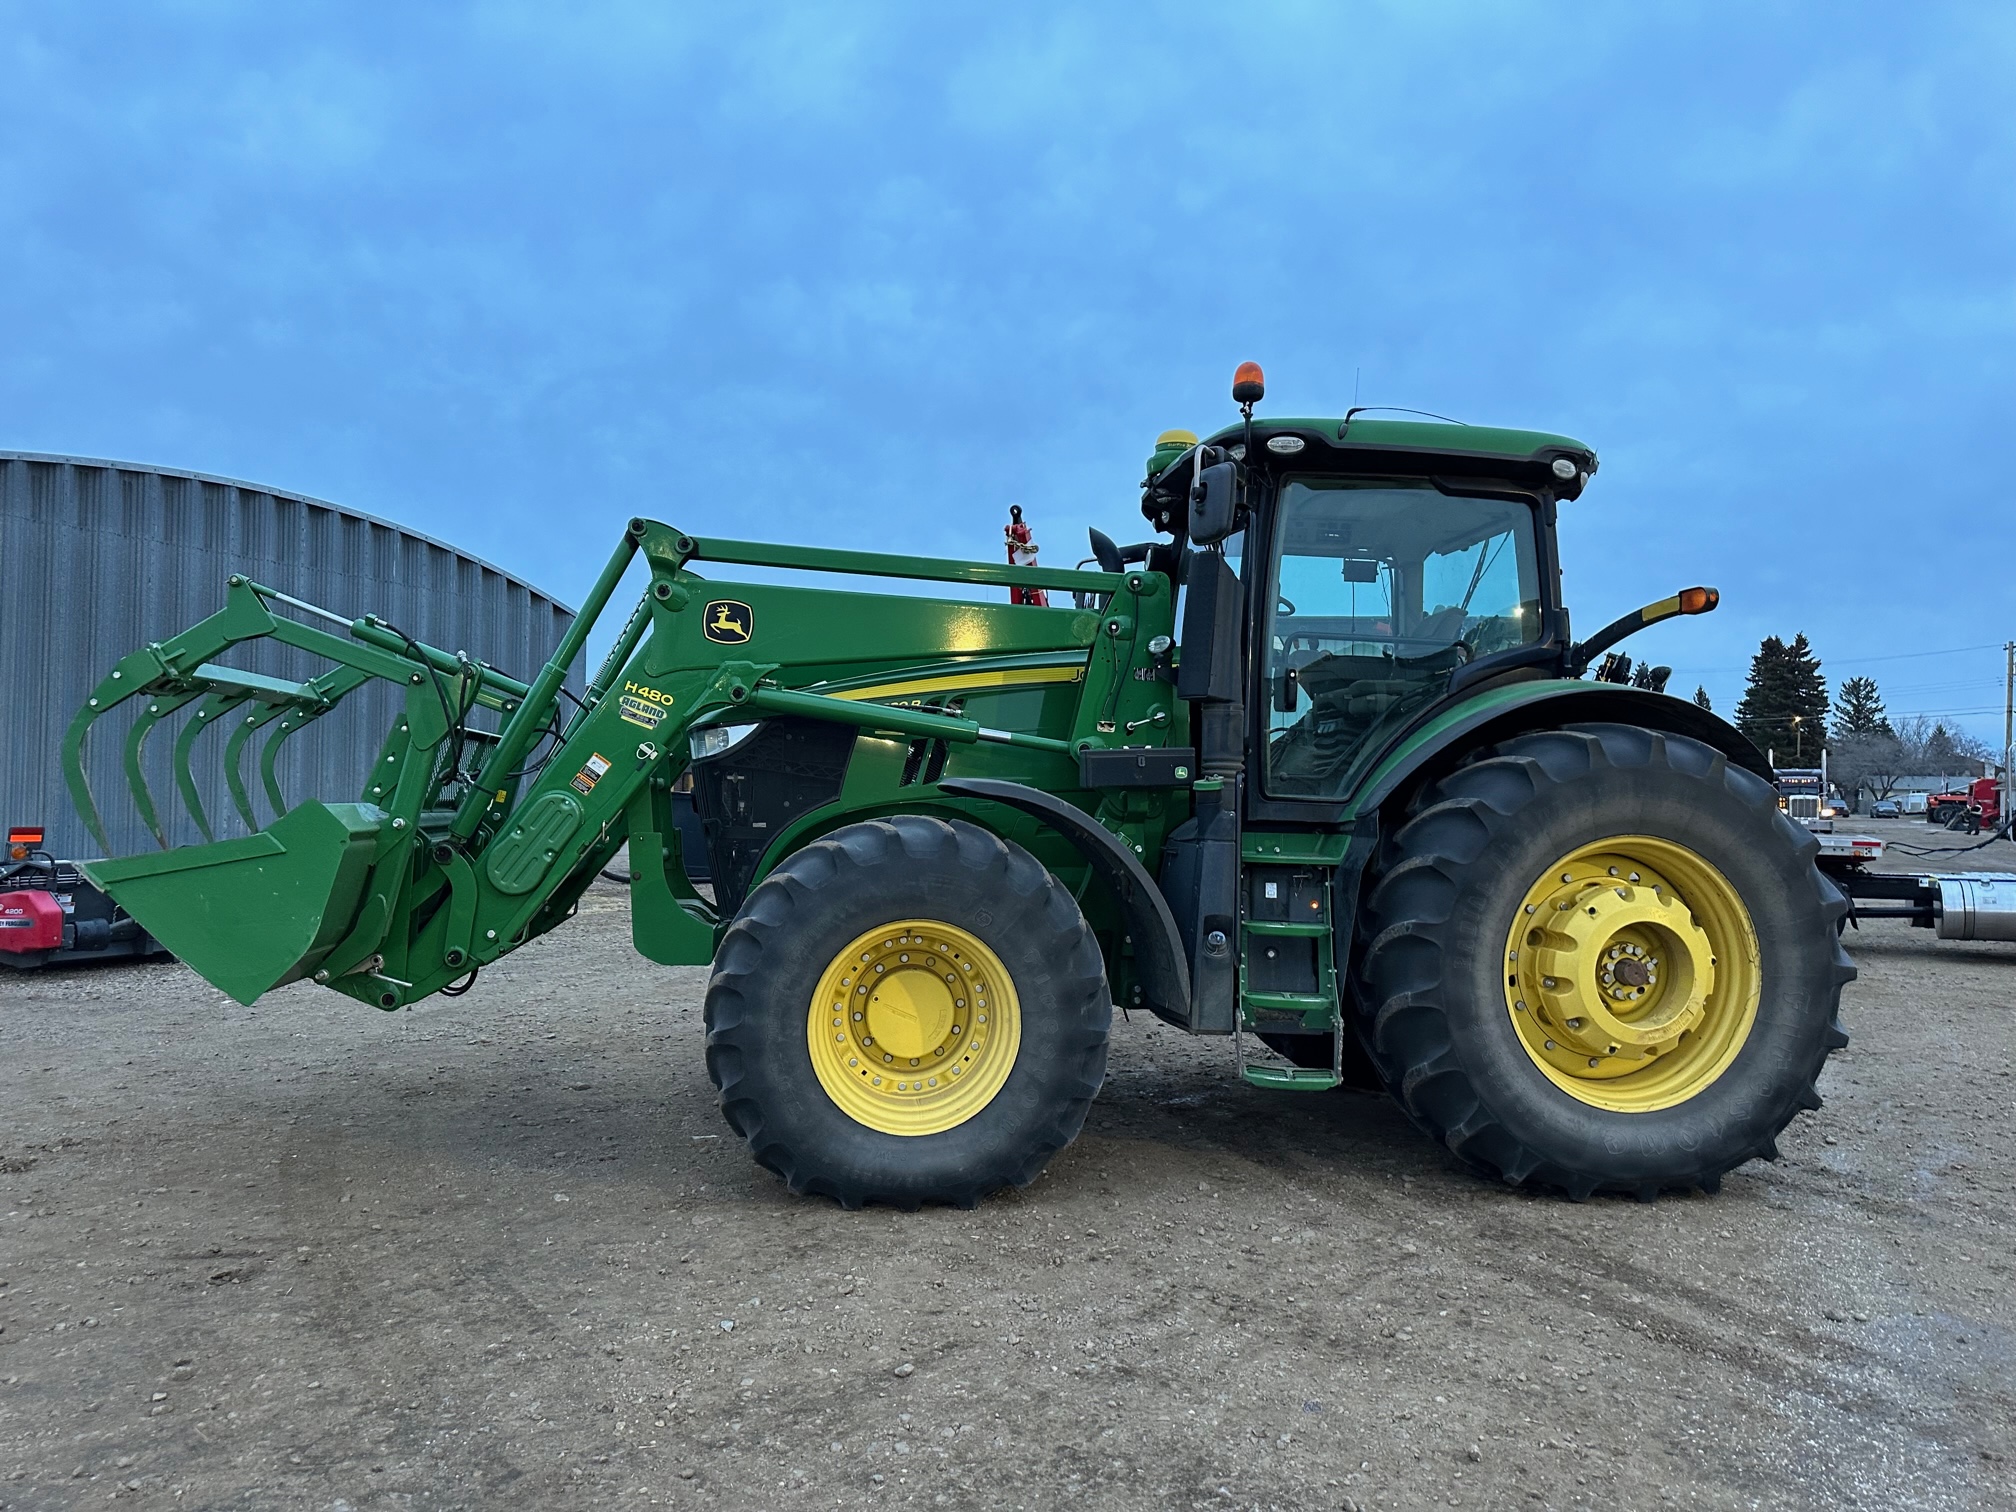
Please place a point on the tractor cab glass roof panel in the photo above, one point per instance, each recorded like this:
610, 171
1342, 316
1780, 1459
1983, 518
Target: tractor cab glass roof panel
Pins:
1380, 588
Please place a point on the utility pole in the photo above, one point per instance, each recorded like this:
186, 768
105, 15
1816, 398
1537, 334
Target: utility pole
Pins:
2008, 731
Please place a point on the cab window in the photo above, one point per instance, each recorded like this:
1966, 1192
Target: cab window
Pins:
1378, 590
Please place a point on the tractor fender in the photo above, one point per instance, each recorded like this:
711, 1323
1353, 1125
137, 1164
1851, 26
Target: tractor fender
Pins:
1549, 705
1158, 946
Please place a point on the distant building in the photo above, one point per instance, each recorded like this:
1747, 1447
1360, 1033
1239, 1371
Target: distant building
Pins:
97, 559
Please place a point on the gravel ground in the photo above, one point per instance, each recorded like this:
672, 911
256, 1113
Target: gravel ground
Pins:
501, 1251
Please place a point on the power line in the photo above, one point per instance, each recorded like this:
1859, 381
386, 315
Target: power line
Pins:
1856, 661
1852, 661
1921, 690
1945, 713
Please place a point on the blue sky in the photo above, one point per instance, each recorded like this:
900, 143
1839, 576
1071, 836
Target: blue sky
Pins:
863, 275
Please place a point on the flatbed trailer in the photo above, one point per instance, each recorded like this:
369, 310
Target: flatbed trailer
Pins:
1839, 852
1958, 905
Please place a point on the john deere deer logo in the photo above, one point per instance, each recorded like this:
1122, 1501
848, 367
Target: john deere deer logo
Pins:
728, 622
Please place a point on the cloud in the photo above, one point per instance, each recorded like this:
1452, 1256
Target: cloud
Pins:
863, 275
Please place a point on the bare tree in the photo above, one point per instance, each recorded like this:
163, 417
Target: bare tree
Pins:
1935, 750
1914, 746
1869, 763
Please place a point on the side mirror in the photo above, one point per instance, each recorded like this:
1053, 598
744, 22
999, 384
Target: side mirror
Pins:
1286, 691
1214, 501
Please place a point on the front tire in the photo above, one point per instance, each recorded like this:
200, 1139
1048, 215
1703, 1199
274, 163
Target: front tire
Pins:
1600, 959
908, 1011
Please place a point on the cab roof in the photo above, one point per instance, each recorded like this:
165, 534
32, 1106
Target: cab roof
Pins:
1361, 444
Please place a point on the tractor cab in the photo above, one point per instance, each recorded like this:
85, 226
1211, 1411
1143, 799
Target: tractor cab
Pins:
1383, 568
1366, 602
1343, 579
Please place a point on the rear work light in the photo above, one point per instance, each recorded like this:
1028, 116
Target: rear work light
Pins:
21, 839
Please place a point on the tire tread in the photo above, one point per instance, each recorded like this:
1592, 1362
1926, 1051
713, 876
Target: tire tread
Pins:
1402, 966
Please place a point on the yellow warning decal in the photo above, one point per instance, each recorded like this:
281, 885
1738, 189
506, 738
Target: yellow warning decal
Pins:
583, 781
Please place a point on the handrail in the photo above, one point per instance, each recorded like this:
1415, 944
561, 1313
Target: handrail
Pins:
879, 564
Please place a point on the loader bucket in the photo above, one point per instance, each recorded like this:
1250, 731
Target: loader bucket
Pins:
272, 906
250, 914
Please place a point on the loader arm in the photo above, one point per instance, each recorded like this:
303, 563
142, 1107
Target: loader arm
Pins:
434, 872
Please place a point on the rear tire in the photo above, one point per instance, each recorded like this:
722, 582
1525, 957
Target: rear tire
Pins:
908, 1011
1444, 1007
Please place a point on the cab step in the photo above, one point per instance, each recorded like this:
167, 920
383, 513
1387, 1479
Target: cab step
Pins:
1287, 973
1289, 1002
1289, 1078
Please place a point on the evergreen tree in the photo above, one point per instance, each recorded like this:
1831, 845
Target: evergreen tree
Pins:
1942, 752
1810, 690
1701, 697
1760, 711
1858, 710
1642, 678
1784, 705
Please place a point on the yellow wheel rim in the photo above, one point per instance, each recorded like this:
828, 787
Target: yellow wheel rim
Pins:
1632, 974
914, 1027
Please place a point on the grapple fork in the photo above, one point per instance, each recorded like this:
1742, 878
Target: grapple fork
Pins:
267, 907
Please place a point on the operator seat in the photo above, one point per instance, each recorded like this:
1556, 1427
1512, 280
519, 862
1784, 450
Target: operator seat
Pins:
1442, 628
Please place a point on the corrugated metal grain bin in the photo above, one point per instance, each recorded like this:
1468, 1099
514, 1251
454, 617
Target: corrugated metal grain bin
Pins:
99, 558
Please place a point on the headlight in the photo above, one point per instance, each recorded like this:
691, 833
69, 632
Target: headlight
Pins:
714, 739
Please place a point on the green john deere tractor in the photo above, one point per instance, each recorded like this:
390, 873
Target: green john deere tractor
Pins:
1316, 769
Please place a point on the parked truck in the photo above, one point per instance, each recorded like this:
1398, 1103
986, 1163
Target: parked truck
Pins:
1972, 808
1313, 770
50, 915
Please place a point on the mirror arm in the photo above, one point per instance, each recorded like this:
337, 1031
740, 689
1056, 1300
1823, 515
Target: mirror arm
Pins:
1686, 601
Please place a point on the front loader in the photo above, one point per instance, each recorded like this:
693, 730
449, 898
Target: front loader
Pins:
1315, 771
